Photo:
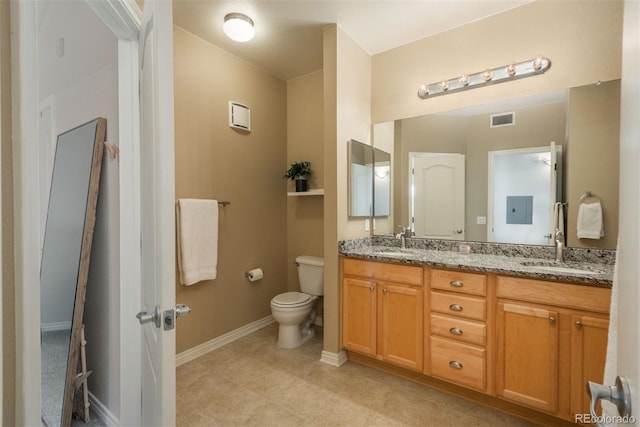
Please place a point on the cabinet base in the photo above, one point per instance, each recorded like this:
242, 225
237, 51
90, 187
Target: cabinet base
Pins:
464, 393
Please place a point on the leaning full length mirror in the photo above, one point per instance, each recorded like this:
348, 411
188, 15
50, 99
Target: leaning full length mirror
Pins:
492, 172
65, 263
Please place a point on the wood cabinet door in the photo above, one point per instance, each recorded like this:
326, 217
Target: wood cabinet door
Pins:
527, 355
401, 325
359, 316
588, 354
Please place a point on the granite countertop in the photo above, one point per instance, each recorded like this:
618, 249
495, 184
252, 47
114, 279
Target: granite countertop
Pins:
522, 264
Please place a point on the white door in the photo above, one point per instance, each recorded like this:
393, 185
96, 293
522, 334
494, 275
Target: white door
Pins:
157, 200
437, 195
626, 334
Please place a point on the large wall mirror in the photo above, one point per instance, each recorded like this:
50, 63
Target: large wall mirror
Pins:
547, 147
65, 263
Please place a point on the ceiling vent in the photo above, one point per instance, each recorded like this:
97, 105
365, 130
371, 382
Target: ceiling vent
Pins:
502, 119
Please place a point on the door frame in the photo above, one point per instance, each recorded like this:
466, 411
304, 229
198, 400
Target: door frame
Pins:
123, 17
490, 177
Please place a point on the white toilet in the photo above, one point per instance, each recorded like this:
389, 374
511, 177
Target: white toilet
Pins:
295, 311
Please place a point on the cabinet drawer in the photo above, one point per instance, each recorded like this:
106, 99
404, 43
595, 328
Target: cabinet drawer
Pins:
457, 281
459, 305
578, 297
459, 363
459, 329
406, 274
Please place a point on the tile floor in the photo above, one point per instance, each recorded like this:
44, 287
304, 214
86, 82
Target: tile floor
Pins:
252, 382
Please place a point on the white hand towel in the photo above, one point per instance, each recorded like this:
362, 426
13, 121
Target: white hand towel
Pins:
590, 221
197, 222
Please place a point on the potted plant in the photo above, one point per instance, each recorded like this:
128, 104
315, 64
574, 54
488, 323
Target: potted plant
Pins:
299, 171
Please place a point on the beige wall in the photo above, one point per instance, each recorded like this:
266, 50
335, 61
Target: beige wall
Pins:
347, 115
593, 158
7, 392
305, 214
214, 161
581, 38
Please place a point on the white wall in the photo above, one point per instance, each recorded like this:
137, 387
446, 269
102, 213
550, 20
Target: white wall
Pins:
83, 83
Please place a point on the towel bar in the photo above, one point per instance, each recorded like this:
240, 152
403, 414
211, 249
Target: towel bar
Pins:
587, 195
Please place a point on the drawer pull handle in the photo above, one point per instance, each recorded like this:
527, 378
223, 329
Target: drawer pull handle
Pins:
455, 364
578, 324
552, 320
385, 290
371, 288
456, 283
455, 307
456, 331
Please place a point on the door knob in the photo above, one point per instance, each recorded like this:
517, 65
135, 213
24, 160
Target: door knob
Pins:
155, 317
619, 394
458, 231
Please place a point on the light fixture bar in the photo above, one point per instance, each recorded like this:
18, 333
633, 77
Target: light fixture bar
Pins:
487, 77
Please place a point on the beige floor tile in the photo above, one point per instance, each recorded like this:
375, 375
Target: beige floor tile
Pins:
253, 382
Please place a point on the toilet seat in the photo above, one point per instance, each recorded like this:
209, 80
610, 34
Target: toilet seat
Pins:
291, 299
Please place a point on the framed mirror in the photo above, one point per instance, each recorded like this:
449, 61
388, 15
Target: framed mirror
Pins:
65, 263
581, 121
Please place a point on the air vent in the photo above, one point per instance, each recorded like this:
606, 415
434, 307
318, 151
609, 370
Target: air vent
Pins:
502, 119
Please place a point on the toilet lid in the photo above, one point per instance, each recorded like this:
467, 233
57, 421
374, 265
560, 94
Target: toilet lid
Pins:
291, 298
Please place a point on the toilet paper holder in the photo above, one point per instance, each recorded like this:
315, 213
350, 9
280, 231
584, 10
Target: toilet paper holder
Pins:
254, 274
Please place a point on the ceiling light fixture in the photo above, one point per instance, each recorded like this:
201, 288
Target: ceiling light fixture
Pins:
238, 27
537, 65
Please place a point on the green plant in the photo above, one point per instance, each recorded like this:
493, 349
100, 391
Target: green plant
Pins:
298, 170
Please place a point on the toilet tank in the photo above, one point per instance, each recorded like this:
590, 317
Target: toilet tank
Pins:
311, 274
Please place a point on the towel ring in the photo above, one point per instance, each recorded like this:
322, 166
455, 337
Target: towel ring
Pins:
588, 194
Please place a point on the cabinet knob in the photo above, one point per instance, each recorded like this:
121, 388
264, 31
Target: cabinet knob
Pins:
456, 331
455, 307
552, 320
371, 288
385, 290
455, 364
456, 283
578, 324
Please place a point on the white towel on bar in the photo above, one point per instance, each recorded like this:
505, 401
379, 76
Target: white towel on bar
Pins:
197, 223
590, 224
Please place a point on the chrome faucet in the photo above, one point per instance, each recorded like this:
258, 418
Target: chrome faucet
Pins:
559, 246
402, 236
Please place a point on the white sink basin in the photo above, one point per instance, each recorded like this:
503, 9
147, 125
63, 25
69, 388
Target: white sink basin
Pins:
559, 268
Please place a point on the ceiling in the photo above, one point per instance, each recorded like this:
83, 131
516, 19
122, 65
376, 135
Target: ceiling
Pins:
288, 41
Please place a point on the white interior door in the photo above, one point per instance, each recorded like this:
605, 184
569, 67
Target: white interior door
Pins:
622, 357
157, 182
437, 195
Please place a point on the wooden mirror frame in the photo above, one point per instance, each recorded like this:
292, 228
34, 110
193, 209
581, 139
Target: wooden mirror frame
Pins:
83, 270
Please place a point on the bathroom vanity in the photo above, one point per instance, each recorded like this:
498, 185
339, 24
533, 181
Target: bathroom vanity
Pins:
511, 331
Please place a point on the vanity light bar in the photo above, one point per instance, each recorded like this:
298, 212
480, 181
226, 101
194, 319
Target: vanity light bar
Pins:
505, 73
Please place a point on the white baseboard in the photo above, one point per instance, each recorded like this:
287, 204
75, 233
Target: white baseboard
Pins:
102, 412
334, 359
199, 350
55, 326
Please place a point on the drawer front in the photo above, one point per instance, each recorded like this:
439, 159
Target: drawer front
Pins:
406, 274
459, 363
459, 329
579, 297
459, 305
457, 281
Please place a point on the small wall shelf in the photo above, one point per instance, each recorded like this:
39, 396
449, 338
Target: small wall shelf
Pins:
312, 192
